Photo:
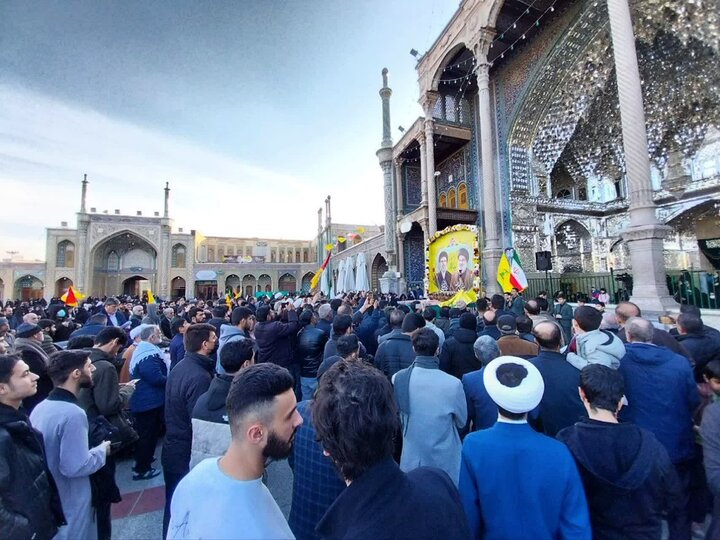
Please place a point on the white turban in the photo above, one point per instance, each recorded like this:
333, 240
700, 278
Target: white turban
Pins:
521, 398
135, 332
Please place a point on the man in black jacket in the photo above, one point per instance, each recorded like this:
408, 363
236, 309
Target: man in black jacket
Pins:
396, 352
29, 502
626, 310
420, 504
703, 346
627, 474
311, 345
274, 337
458, 357
185, 384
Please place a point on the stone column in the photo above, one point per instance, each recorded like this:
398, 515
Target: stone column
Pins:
83, 257
428, 101
491, 251
645, 234
385, 156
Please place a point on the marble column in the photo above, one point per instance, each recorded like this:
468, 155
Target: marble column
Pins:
491, 251
645, 234
428, 101
385, 159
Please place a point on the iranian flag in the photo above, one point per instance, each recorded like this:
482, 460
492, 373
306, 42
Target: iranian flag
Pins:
510, 272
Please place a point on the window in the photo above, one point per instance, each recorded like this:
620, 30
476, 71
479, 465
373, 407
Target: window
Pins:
564, 194
211, 254
452, 200
113, 262
582, 194
178, 256
221, 254
462, 196
65, 255
443, 200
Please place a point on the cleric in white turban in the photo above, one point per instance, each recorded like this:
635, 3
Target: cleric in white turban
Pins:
516, 483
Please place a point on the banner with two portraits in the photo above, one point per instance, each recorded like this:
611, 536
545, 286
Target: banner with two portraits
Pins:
452, 264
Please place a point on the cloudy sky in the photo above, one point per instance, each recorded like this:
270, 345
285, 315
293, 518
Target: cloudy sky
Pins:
254, 110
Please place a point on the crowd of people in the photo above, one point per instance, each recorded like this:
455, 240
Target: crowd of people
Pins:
511, 418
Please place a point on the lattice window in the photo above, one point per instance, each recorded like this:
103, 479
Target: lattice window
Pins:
452, 198
65, 255
443, 200
463, 196
178, 256
113, 262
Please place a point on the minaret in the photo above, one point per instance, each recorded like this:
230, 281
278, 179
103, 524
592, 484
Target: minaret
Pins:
83, 198
167, 199
385, 157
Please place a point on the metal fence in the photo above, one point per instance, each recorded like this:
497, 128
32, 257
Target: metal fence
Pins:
695, 287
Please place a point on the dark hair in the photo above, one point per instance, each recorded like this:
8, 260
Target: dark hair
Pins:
481, 304
176, 324
106, 335
464, 253
711, 370
524, 324
412, 322
690, 323
428, 313
7, 365
195, 335
691, 309
192, 313
45, 323
441, 255
603, 386
341, 323
425, 342
346, 345
511, 415
98, 318
468, 321
63, 363
550, 338
112, 301
588, 318
543, 304
396, 318
80, 342
220, 311
445, 312
254, 388
239, 314
235, 353
335, 303
532, 307
355, 416
497, 301
262, 313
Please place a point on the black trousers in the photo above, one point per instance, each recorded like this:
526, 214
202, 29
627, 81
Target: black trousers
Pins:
679, 528
172, 479
148, 425
104, 521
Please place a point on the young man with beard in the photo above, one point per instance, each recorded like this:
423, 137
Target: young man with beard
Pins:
64, 426
29, 502
235, 503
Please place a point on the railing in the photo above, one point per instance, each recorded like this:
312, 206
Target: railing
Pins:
579, 286
695, 287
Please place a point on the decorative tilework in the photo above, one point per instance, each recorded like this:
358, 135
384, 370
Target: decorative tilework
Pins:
413, 187
414, 259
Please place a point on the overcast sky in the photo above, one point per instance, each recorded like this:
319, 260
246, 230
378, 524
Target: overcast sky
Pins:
253, 110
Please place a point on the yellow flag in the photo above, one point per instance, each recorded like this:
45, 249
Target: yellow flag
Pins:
151, 298
504, 273
329, 247
228, 301
361, 230
341, 239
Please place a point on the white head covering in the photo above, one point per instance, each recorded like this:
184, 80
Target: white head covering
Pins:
521, 398
135, 332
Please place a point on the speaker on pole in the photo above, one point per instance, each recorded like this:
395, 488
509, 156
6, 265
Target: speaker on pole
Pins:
543, 261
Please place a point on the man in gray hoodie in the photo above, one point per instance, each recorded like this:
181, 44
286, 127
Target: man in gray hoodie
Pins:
241, 324
592, 345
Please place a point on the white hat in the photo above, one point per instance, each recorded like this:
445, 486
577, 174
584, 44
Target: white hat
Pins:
135, 332
515, 399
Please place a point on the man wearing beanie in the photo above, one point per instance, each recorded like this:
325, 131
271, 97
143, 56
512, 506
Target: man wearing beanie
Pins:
514, 482
28, 344
457, 357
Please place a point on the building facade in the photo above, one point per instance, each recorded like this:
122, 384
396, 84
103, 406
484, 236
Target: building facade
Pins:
526, 134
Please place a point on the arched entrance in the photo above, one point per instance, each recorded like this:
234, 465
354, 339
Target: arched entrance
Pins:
574, 247
248, 284
305, 283
177, 287
264, 283
62, 285
287, 283
29, 287
378, 268
232, 284
135, 285
117, 260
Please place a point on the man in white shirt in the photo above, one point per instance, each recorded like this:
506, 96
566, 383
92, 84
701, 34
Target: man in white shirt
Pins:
261, 407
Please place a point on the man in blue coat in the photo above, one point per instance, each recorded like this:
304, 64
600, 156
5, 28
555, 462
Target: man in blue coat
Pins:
662, 396
515, 483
